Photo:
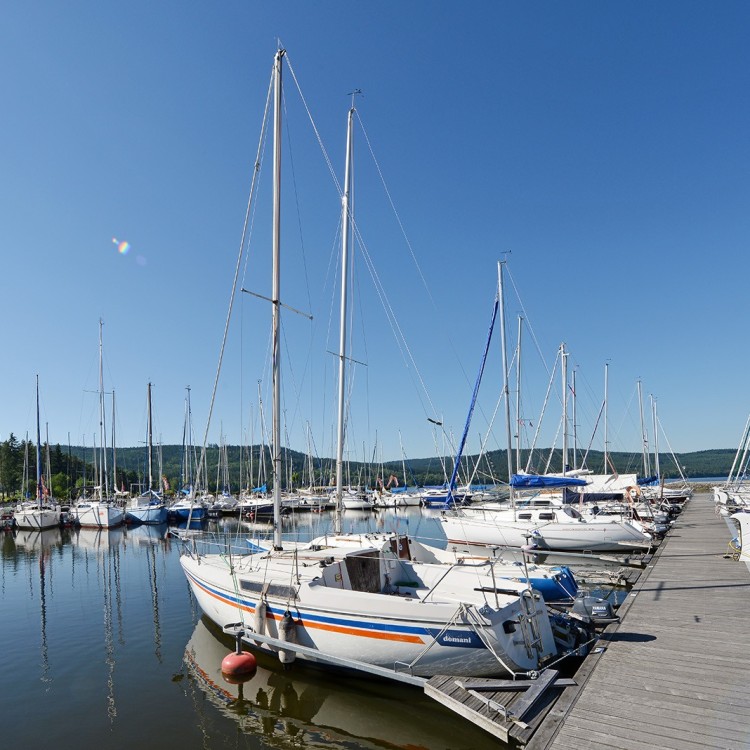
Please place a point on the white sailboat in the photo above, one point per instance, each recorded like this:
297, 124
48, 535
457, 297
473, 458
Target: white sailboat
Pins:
99, 512
355, 605
560, 529
148, 507
193, 503
40, 513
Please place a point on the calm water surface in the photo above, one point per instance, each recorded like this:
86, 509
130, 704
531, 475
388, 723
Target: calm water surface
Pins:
104, 645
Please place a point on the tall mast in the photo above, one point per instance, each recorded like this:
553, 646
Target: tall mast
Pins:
103, 484
38, 449
70, 464
114, 446
403, 460
644, 437
506, 394
518, 397
47, 464
184, 448
275, 299
606, 421
345, 232
564, 371
83, 440
657, 468
575, 420
150, 439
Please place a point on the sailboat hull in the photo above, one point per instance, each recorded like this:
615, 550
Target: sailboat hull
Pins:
395, 630
98, 515
550, 535
149, 514
37, 518
185, 512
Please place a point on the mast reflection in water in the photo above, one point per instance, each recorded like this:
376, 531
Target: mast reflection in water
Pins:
104, 646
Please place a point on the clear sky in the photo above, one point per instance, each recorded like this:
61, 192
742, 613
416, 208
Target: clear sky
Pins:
601, 148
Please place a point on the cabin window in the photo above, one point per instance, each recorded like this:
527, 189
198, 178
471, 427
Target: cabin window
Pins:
524, 516
546, 516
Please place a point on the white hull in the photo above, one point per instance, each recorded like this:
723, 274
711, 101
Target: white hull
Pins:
255, 505
356, 503
397, 500
742, 546
98, 515
434, 632
553, 534
37, 518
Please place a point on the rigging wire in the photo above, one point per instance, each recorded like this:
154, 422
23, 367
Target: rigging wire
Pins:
250, 202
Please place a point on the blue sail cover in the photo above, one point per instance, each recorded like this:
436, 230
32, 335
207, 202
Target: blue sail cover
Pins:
537, 481
648, 480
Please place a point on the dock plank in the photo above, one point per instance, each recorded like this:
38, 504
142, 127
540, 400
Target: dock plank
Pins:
648, 711
635, 735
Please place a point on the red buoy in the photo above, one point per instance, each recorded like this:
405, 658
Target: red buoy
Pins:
237, 665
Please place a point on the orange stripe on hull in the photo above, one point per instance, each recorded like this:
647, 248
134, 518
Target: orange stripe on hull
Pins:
378, 635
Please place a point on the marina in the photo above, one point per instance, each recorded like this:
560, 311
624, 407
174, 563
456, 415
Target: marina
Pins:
103, 621
397, 441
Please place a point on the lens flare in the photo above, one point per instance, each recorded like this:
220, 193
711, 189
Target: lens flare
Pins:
122, 247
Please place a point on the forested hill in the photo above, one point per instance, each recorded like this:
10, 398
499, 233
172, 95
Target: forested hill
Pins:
73, 467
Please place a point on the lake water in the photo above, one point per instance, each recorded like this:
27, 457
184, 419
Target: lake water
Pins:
104, 645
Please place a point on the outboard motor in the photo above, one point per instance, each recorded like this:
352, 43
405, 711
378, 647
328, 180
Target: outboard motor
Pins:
599, 611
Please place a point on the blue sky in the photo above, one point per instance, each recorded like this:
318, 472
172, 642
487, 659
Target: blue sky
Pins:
600, 147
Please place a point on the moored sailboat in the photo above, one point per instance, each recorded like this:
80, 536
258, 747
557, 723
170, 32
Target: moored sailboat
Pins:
41, 513
100, 511
356, 605
148, 507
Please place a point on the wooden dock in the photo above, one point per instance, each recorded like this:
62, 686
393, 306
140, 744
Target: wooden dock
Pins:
511, 710
674, 673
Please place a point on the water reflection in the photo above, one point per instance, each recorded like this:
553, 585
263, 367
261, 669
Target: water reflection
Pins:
37, 547
33, 541
150, 539
97, 540
100, 549
305, 707
98, 620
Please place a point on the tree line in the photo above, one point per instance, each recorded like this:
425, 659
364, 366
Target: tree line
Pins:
64, 474
67, 473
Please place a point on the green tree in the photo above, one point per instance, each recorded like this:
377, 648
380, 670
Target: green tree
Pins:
60, 485
11, 465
